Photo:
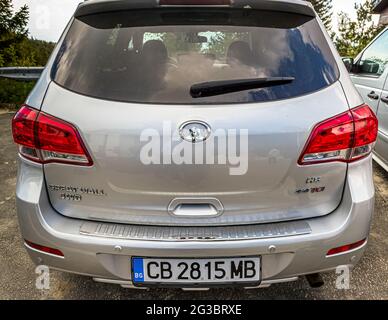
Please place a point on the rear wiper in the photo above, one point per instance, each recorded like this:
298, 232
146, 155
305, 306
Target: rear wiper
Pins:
214, 88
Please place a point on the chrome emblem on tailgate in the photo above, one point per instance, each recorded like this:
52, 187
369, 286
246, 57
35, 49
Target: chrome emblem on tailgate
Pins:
194, 131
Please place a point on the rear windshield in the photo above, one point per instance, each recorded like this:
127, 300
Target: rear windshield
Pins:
156, 56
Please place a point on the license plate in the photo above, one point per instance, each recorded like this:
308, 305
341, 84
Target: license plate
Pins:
195, 271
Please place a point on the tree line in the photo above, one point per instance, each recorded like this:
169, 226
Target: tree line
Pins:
18, 49
353, 34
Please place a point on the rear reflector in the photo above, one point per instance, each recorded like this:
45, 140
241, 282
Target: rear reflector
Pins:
346, 247
45, 249
43, 138
195, 2
347, 137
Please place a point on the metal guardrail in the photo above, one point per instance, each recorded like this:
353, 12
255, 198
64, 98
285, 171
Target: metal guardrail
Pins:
21, 73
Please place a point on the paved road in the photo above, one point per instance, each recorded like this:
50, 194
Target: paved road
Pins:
369, 280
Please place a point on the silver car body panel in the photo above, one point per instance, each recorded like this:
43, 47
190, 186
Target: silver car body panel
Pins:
99, 256
138, 193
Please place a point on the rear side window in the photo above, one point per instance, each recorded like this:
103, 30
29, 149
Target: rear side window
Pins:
156, 56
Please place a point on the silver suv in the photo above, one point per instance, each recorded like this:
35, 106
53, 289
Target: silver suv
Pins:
194, 144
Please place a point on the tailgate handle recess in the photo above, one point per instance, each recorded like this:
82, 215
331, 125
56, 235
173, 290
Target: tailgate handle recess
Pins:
191, 208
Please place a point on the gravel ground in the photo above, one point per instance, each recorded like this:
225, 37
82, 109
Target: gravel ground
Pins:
369, 280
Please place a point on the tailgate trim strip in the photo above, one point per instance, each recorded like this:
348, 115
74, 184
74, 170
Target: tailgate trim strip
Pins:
216, 233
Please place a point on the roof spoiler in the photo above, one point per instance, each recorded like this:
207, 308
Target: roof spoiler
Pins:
98, 6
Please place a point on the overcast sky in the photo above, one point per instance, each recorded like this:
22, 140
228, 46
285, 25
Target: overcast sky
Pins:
48, 18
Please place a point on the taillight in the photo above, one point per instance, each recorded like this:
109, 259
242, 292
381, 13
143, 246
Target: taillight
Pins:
347, 137
43, 138
23, 130
365, 131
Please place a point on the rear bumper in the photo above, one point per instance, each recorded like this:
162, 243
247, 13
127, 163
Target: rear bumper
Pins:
107, 259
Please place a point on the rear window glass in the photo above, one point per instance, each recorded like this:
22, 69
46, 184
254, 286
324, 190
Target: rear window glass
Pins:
156, 56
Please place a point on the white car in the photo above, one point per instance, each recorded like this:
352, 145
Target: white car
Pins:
369, 73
